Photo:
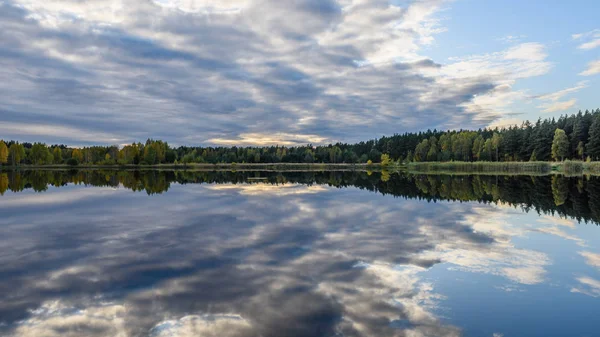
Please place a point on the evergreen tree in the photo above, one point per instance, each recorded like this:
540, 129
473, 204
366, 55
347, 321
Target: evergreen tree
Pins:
593, 145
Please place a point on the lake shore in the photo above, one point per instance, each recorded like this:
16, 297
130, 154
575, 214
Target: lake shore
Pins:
571, 168
213, 167
507, 168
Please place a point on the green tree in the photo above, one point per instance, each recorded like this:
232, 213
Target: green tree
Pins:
421, 151
560, 145
581, 150
496, 141
16, 153
150, 155
39, 154
3, 153
593, 145
57, 153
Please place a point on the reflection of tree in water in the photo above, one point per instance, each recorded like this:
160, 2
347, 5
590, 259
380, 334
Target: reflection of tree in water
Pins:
576, 197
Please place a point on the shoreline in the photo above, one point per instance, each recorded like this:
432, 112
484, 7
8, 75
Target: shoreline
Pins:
290, 167
568, 168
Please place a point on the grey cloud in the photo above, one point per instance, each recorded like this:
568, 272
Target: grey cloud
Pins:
164, 73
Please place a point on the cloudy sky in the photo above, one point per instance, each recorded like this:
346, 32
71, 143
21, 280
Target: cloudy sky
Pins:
261, 72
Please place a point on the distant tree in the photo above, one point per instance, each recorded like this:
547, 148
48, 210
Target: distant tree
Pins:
496, 141
560, 145
421, 150
16, 153
3, 153
581, 150
39, 154
77, 154
150, 155
57, 154
593, 145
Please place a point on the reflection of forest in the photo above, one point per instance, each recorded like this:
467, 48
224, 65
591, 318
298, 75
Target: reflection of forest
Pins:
577, 197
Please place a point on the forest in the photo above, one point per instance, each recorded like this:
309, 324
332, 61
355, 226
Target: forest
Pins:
573, 137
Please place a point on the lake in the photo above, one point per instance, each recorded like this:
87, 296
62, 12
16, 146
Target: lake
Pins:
235, 254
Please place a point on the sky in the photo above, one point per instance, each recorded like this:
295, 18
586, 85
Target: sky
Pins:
288, 72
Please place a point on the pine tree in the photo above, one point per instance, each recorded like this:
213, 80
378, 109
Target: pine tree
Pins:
593, 145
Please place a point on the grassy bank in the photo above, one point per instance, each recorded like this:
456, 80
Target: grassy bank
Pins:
529, 168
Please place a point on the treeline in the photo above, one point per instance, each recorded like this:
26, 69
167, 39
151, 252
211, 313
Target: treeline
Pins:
575, 137
574, 197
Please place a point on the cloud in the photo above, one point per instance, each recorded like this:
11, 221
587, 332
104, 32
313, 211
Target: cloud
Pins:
512, 38
593, 69
282, 139
502, 70
256, 72
558, 106
591, 259
553, 101
588, 286
590, 40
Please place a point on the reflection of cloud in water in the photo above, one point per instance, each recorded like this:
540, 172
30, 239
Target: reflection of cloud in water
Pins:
54, 319
591, 259
206, 326
224, 263
268, 189
587, 286
498, 257
552, 220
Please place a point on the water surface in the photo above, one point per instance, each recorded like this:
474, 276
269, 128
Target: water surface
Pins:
228, 254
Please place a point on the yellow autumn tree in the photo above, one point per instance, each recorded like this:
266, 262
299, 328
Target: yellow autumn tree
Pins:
3, 153
77, 154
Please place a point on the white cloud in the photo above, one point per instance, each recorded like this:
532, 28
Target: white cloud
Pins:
553, 103
527, 52
558, 106
590, 40
593, 69
591, 259
588, 286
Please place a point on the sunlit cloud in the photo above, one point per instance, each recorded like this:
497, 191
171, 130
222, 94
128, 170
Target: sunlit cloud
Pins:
269, 189
589, 40
593, 68
282, 139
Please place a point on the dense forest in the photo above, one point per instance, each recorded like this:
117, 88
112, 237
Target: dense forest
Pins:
575, 137
573, 197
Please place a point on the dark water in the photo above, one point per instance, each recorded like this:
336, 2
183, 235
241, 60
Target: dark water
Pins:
297, 254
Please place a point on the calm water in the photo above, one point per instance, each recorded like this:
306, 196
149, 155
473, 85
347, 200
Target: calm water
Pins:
297, 254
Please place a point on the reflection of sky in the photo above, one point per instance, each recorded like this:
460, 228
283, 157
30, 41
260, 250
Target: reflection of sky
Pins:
293, 260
